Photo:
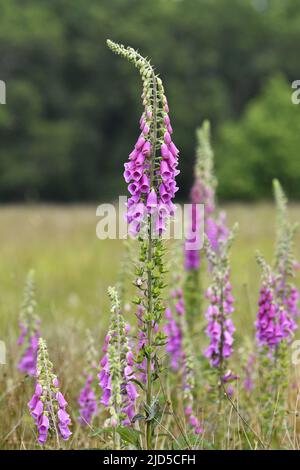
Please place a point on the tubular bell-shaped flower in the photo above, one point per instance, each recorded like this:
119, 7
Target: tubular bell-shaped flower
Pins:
29, 324
48, 405
220, 326
117, 374
151, 172
88, 406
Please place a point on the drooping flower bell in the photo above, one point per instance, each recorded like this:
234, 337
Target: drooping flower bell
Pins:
29, 324
48, 405
152, 166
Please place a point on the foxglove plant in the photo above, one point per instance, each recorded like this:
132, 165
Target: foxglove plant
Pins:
214, 226
274, 330
278, 297
276, 318
29, 324
203, 189
151, 173
117, 374
48, 405
220, 326
274, 323
179, 348
153, 162
87, 401
284, 264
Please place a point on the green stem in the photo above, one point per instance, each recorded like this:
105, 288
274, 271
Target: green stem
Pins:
149, 274
221, 364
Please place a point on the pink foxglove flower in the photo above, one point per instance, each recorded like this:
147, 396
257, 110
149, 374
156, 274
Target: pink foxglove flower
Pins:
179, 348
48, 405
220, 328
274, 323
152, 166
203, 221
117, 375
203, 192
87, 401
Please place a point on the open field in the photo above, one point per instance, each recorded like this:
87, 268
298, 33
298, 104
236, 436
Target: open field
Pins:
73, 270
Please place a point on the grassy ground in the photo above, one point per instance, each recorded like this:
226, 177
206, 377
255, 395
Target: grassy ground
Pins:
73, 270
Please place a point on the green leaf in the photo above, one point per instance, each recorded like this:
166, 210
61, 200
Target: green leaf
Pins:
99, 431
129, 435
138, 383
138, 417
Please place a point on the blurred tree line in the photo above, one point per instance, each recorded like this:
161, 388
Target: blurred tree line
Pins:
72, 107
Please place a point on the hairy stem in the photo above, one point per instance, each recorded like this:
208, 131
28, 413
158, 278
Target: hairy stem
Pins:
149, 272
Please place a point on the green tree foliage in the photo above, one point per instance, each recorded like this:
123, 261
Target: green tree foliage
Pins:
72, 110
264, 144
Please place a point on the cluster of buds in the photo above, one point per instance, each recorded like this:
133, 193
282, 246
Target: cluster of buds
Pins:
29, 324
48, 405
87, 401
117, 373
153, 162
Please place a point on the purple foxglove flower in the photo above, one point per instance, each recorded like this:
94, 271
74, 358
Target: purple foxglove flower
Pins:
165, 151
164, 194
165, 171
149, 172
134, 188
133, 155
140, 142
151, 201
144, 184
220, 327
47, 398
61, 400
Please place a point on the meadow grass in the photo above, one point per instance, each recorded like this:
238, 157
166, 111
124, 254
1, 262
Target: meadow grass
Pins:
73, 270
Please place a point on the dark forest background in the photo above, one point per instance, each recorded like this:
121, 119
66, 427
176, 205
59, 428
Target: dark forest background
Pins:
73, 107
